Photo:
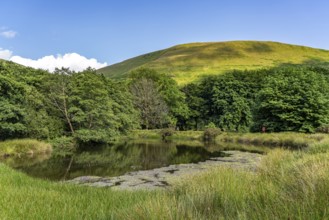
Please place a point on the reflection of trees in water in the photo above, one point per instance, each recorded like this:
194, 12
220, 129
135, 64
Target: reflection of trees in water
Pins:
118, 159
68, 169
25, 161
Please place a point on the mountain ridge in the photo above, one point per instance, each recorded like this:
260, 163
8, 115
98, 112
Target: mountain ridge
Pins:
188, 62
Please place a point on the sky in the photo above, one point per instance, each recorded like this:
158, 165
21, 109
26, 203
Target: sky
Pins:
81, 33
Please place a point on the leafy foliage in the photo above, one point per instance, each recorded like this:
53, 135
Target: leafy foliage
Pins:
168, 100
92, 108
211, 133
293, 99
147, 99
225, 100
167, 132
84, 105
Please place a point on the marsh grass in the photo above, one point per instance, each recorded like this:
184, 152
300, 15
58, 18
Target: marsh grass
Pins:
21, 147
287, 185
144, 134
251, 142
22, 197
288, 140
157, 134
188, 135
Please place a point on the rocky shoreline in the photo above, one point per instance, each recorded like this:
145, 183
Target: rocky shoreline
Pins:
165, 176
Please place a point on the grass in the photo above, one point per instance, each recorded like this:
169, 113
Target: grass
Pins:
22, 197
290, 140
22, 147
251, 142
287, 185
188, 62
156, 134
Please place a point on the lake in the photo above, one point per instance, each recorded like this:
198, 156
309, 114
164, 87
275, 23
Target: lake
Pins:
113, 160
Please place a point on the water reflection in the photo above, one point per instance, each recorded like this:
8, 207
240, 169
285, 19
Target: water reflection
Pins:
114, 160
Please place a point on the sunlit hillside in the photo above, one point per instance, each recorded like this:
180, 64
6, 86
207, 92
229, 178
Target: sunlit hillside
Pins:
187, 62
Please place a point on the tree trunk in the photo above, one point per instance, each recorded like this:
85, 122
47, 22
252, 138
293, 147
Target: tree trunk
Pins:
66, 112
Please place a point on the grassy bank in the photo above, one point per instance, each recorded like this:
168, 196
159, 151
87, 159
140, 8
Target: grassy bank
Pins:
254, 142
291, 140
21, 147
22, 197
287, 185
156, 134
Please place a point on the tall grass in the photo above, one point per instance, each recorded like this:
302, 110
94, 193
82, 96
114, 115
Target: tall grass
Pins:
289, 140
287, 185
21, 147
156, 134
22, 197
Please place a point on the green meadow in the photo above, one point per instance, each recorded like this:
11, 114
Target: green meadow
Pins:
188, 62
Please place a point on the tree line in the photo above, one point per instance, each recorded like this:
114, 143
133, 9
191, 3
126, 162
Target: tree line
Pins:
90, 107
293, 98
84, 105
286, 98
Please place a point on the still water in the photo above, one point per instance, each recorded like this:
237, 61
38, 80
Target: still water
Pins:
112, 160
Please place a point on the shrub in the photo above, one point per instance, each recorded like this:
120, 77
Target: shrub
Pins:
210, 125
323, 129
167, 132
210, 134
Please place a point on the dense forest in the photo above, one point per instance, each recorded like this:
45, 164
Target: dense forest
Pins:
85, 105
90, 107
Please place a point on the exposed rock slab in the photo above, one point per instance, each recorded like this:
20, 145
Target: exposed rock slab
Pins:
163, 177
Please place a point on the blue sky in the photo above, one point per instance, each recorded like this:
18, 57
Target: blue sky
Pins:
114, 30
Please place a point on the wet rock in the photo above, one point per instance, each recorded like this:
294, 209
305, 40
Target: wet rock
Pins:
160, 178
85, 179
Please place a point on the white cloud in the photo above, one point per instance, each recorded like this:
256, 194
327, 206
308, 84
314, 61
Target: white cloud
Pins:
5, 54
8, 34
73, 61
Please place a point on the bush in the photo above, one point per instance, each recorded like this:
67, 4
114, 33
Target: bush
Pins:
167, 132
211, 125
323, 129
210, 134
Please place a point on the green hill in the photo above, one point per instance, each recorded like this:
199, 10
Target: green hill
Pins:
187, 62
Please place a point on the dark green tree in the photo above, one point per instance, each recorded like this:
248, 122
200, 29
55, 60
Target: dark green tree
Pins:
58, 88
91, 107
12, 111
227, 102
292, 99
196, 105
125, 113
